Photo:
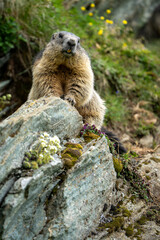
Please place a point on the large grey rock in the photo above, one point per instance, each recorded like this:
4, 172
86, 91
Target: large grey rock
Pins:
21, 129
50, 203
23, 210
79, 203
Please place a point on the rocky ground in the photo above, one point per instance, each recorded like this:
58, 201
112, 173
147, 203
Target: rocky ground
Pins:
84, 193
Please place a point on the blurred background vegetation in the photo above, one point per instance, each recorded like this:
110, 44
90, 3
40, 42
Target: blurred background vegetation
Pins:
126, 68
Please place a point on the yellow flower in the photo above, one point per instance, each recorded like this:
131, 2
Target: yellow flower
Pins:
108, 11
90, 14
124, 45
92, 5
102, 18
83, 8
90, 24
100, 32
125, 22
109, 21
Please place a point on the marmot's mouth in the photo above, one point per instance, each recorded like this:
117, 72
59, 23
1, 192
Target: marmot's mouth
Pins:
68, 52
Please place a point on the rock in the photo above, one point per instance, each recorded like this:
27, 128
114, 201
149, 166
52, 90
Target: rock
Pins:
150, 170
125, 138
87, 188
48, 202
21, 129
147, 141
23, 210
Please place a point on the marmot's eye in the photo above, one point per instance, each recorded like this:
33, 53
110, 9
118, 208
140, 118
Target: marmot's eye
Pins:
78, 40
60, 35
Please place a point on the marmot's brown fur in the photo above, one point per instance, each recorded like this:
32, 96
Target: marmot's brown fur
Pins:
63, 69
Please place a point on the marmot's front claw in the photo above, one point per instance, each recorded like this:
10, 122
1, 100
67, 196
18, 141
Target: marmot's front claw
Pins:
62, 97
70, 100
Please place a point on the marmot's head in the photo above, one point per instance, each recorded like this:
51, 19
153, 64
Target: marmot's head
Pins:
64, 43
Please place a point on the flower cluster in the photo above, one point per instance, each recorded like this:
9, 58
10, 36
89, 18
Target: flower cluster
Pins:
43, 152
107, 21
92, 129
86, 128
48, 146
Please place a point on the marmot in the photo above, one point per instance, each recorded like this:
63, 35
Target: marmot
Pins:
63, 69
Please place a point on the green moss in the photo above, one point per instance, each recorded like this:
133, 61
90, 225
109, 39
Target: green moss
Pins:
138, 232
69, 163
126, 212
117, 165
26, 159
150, 214
142, 220
133, 198
129, 230
115, 225
148, 177
146, 162
138, 186
28, 154
72, 152
34, 165
26, 164
73, 145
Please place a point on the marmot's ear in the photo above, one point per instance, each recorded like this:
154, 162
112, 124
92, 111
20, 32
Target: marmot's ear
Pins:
53, 36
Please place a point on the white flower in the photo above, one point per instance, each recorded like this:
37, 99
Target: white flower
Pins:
43, 144
53, 148
51, 158
41, 155
55, 139
46, 150
45, 134
58, 146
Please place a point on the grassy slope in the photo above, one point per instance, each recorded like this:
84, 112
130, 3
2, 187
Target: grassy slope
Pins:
126, 72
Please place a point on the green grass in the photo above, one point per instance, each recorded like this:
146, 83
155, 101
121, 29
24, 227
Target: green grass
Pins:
125, 70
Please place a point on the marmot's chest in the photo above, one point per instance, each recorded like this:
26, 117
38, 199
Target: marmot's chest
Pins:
64, 75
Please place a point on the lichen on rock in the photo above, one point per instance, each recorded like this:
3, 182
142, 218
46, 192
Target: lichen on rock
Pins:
44, 200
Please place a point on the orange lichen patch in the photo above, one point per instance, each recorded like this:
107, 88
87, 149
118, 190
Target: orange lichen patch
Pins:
89, 136
73, 145
71, 154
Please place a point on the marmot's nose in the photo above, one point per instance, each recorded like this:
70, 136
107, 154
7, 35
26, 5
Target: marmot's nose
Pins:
71, 43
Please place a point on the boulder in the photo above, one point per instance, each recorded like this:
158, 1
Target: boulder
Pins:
147, 141
51, 202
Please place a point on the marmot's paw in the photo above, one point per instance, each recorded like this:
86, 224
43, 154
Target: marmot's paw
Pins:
69, 99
